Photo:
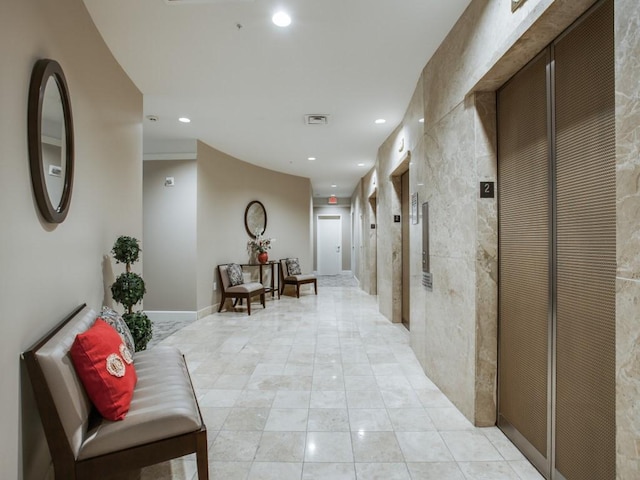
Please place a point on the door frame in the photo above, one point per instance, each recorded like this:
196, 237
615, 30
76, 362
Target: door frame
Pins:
325, 216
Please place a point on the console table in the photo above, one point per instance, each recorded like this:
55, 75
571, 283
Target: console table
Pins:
274, 285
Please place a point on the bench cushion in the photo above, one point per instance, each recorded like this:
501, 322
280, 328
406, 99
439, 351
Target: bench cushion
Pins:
300, 278
245, 288
163, 406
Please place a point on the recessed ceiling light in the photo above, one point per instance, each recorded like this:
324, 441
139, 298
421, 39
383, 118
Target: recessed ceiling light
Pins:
184, 120
334, 186
361, 164
380, 121
421, 120
281, 19
333, 194
311, 159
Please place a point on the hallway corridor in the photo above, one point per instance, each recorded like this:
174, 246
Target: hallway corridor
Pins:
324, 387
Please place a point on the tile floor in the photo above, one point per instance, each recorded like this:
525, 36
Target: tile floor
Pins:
324, 387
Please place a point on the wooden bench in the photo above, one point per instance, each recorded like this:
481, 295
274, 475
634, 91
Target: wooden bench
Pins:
163, 422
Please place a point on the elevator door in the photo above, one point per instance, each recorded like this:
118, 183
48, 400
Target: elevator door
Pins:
557, 254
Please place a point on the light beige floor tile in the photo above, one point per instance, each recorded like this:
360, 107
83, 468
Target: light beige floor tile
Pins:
328, 471
470, 446
246, 419
382, 471
369, 447
275, 471
328, 399
525, 470
435, 471
360, 382
287, 420
281, 447
229, 470
400, 398
333, 447
235, 446
488, 471
369, 420
219, 398
256, 399
292, 399
423, 447
507, 449
410, 420
449, 418
328, 420
364, 399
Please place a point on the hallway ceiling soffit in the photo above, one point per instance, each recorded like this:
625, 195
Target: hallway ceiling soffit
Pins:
247, 85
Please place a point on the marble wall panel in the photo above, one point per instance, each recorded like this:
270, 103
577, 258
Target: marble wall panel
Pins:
627, 379
627, 39
627, 52
486, 261
450, 330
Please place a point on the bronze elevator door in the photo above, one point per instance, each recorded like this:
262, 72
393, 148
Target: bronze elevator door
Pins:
557, 218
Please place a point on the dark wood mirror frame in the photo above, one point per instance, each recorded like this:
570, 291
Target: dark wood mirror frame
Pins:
246, 217
42, 71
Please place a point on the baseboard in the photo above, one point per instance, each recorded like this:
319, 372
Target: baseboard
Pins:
203, 312
171, 316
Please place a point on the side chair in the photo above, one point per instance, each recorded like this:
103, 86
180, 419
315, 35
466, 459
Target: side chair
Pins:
233, 286
290, 274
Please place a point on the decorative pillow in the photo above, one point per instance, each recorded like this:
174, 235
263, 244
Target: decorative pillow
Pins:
105, 366
114, 319
293, 266
234, 272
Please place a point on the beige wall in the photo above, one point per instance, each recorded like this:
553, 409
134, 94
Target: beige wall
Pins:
170, 235
454, 328
225, 186
48, 270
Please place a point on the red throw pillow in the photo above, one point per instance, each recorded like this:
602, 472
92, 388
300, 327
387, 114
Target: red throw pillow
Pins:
105, 367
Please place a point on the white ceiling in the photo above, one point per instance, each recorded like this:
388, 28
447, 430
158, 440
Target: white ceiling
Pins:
246, 84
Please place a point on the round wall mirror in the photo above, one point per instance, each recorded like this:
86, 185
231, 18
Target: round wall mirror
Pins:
255, 219
50, 132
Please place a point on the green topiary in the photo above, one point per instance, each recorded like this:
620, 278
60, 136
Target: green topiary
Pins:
128, 290
140, 327
126, 250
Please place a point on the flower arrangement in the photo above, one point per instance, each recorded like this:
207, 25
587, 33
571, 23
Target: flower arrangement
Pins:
259, 244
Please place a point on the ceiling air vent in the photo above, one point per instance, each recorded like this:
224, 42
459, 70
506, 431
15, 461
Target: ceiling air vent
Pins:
316, 119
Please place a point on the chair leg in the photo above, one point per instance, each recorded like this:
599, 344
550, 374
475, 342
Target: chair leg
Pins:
262, 298
202, 457
249, 305
298, 290
222, 300
315, 286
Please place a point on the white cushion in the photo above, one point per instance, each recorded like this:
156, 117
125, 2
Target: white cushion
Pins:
245, 288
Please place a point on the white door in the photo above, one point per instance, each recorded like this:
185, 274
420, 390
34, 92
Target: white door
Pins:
329, 244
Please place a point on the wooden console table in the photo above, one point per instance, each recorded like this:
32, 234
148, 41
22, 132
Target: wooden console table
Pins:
274, 285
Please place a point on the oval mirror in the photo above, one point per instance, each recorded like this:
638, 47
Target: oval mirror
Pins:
50, 133
255, 219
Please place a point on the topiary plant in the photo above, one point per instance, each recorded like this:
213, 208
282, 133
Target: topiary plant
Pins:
128, 290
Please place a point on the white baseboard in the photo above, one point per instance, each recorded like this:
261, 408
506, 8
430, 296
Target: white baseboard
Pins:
207, 310
165, 316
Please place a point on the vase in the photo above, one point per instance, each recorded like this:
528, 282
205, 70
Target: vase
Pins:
263, 257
